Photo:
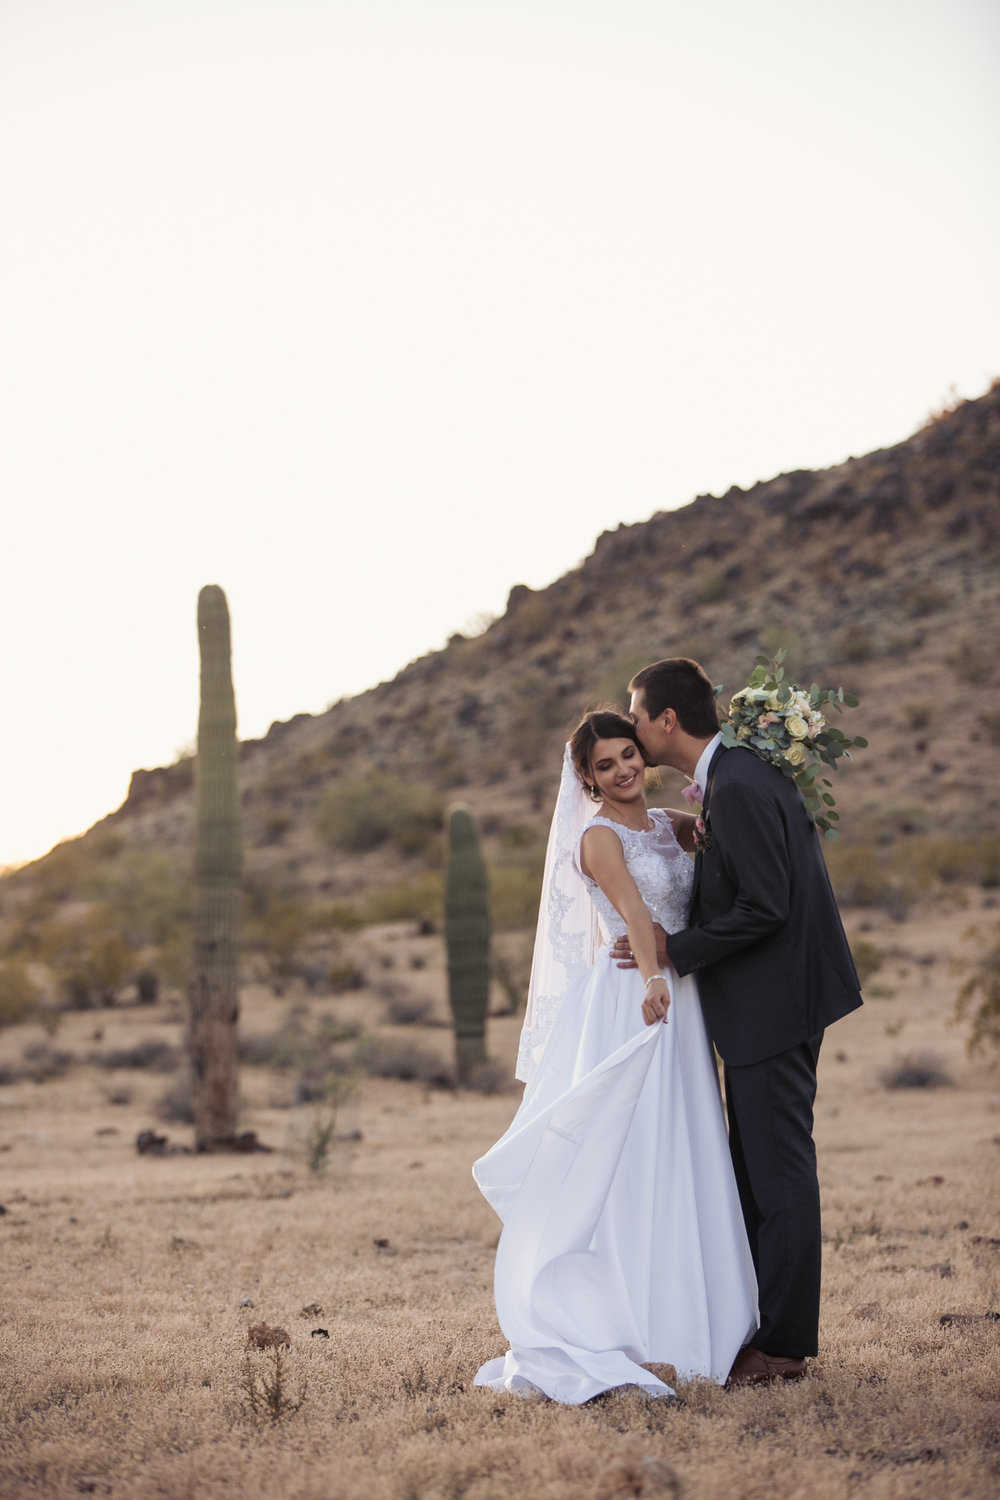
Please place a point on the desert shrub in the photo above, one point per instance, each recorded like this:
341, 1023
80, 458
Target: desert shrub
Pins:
274, 825
957, 859
514, 893
924, 598
852, 645
175, 1105
991, 723
276, 928
717, 585
362, 812
152, 1053
512, 969
147, 986
861, 877
490, 1077
42, 1062
972, 661
345, 976
19, 994
418, 900
322, 1131
978, 1000
386, 1057
340, 917
918, 715
404, 1009
868, 958
96, 974
916, 1071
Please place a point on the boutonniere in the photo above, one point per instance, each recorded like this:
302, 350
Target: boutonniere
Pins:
702, 836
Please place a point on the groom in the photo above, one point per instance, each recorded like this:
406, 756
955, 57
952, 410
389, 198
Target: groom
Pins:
774, 968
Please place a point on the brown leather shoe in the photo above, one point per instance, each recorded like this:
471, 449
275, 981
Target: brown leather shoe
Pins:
753, 1367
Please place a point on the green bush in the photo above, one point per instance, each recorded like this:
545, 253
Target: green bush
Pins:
852, 645
978, 1000
922, 599
363, 812
417, 900
514, 894
868, 958
19, 994
861, 877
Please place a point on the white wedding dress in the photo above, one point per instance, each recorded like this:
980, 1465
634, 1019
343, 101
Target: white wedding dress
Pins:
623, 1242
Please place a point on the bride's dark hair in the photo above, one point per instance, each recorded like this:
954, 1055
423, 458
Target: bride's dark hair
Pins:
598, 724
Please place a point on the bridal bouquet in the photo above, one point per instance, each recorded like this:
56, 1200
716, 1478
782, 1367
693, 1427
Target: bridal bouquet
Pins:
787, 726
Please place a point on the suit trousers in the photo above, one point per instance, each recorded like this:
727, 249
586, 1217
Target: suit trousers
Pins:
770, 1108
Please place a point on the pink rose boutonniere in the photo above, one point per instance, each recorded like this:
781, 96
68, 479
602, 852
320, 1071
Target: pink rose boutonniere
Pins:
702, 836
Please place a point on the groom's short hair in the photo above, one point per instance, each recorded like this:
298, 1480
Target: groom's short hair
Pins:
682, 685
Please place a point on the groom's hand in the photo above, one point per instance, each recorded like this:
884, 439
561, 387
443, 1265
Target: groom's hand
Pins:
622, 953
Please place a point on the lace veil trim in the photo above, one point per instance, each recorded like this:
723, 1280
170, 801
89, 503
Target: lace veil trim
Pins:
568, 936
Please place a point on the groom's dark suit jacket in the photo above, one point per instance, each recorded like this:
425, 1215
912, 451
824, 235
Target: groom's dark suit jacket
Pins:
766, 940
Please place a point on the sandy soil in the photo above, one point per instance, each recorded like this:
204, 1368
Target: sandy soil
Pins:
129, 1283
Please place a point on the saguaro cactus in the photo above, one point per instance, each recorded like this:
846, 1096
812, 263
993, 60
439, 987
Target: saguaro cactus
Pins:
467, 933
214, 997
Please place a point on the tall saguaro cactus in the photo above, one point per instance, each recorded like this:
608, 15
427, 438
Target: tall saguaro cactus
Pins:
467, 934
218, 888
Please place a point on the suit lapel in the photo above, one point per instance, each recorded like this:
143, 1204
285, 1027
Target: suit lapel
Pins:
713, 766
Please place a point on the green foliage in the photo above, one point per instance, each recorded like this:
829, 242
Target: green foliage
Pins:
322, 1131
852, 645
364, 812
918, 715
862, 876
19, 994
515, 890
978, 1000
790, 727
922, 599
467, 935
418, 900
868, 958
96, 963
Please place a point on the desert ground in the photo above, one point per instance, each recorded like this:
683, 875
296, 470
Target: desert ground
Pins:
130, 1281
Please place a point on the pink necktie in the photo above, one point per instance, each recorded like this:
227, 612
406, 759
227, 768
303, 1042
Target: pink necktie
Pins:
692, 794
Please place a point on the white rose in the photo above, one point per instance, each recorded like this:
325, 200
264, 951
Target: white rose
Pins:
796, 754
773, 701
796, 726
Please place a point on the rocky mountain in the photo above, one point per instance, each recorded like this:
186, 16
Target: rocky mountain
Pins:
880, 574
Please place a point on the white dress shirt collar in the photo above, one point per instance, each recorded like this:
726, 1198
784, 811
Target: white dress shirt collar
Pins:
704, 761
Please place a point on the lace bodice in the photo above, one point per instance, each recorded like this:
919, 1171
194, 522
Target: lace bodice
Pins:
661, 870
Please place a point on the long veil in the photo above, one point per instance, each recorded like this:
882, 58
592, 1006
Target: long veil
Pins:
567, 937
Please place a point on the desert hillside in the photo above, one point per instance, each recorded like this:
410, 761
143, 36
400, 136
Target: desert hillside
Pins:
880, 574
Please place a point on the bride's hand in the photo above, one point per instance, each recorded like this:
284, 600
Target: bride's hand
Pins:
656, 1001
622, 953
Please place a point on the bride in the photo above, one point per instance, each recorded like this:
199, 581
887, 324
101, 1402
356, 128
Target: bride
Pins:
623, 1242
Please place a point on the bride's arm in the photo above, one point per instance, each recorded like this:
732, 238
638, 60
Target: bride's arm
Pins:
683, 823
602, 858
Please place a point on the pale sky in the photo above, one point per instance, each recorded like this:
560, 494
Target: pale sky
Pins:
368, 311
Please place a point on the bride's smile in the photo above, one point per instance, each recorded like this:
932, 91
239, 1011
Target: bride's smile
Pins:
619, 774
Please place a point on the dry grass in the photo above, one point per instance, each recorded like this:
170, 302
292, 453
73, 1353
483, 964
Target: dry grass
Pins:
127, 1285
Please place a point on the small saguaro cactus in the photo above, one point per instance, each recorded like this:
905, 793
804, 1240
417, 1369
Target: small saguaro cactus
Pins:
467, 934
214, 997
